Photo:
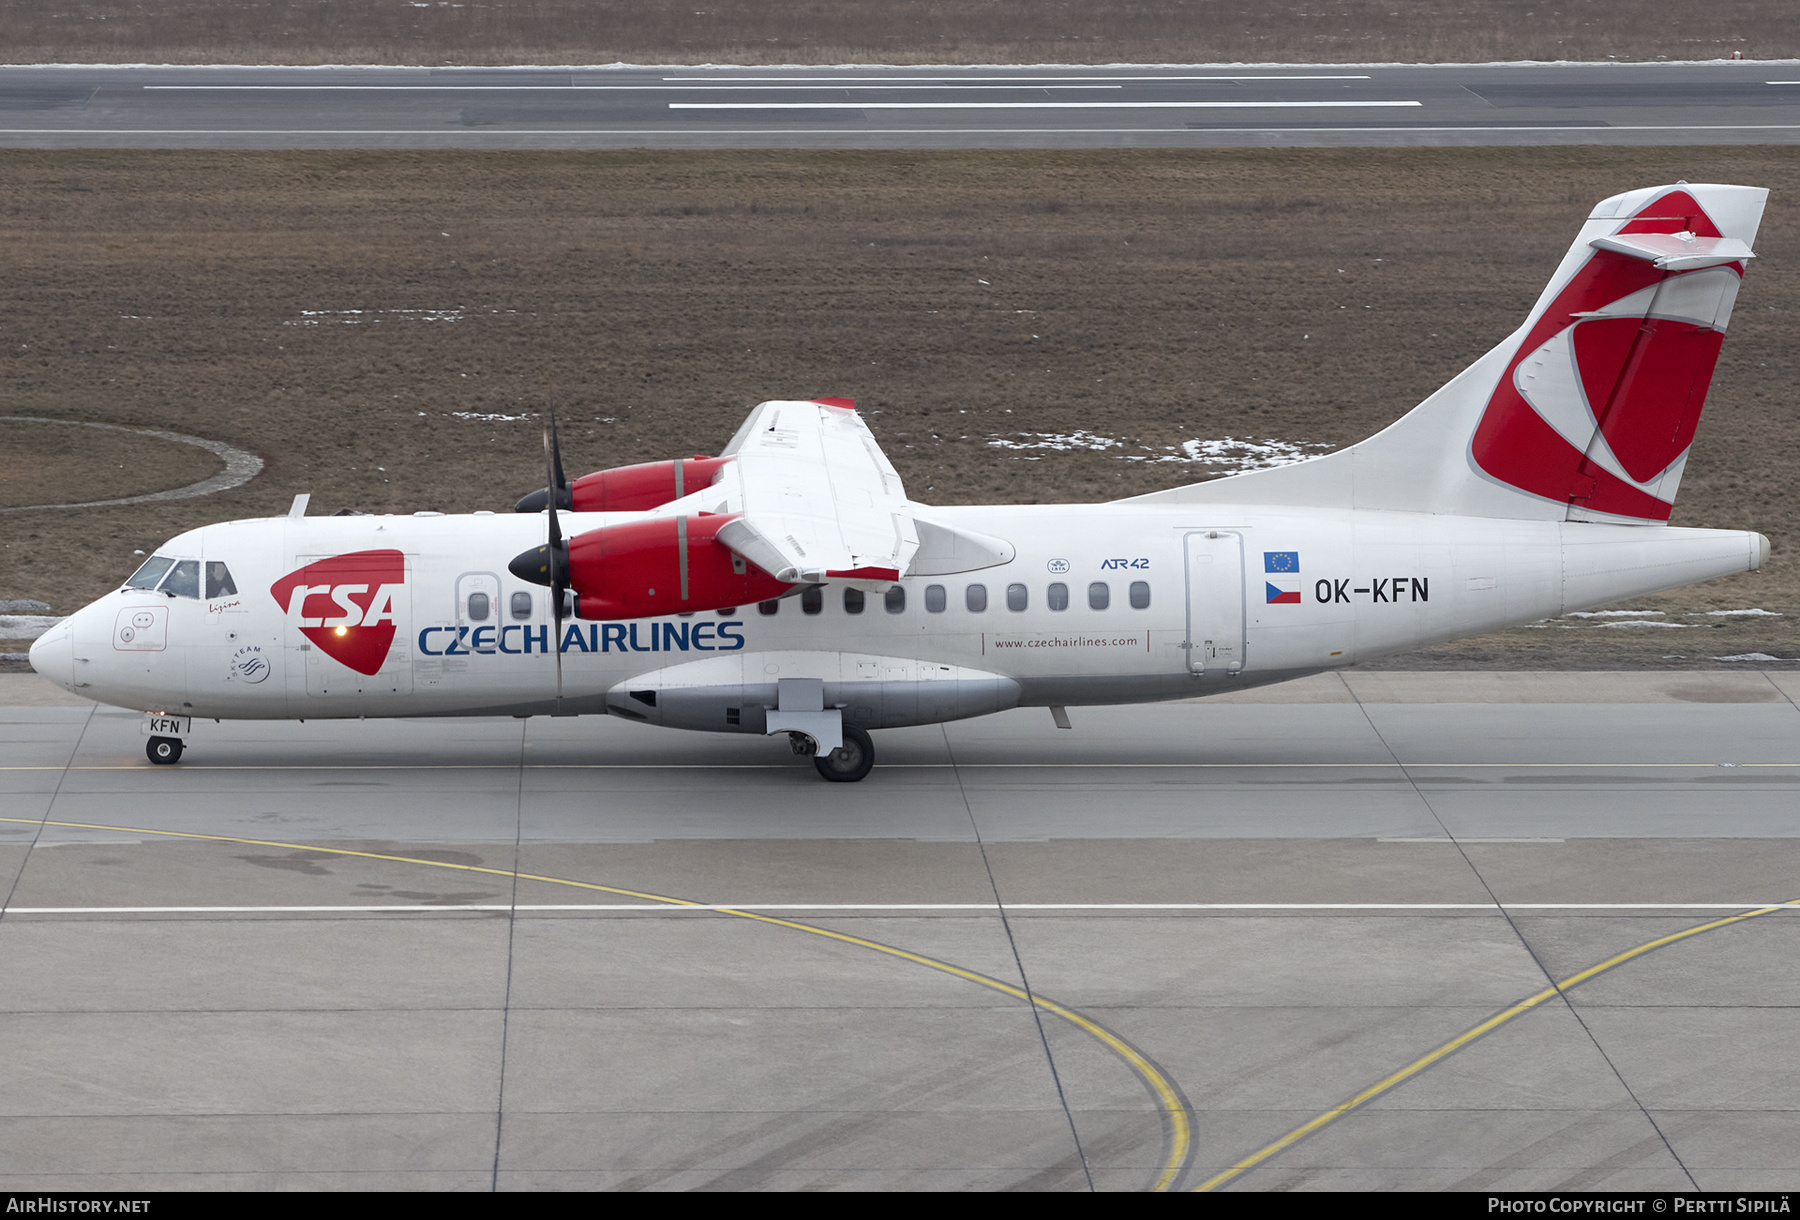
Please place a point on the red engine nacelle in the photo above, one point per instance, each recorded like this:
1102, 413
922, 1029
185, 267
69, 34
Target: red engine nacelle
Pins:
675, 565
629, 489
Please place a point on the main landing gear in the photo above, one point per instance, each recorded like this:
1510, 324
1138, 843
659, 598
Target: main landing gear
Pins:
163, 750
844, 765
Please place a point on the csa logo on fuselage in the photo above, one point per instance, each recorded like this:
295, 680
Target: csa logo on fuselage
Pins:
348, 605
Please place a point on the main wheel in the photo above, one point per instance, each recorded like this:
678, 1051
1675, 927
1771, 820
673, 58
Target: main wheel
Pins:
163, 750
850, 761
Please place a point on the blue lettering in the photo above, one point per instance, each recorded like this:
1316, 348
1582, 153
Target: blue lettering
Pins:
637, 647
539, 636
593, 642
673, 639
484, 647
451, 649
423, 635
698, 638
503, 631
573, 636
725, 633
612, 635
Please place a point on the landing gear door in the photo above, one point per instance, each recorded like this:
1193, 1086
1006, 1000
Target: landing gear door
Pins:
1215, 601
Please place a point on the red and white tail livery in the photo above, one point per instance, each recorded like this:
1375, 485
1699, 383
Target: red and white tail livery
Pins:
1586, 412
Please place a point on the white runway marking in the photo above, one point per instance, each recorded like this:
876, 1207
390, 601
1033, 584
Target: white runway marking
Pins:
1189, 105
884, 907
688, 132
712, 88
988, 79
742, 82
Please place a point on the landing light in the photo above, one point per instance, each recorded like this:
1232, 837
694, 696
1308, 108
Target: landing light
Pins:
342, 630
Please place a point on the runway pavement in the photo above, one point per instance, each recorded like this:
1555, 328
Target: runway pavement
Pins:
1041, 107
1139, 954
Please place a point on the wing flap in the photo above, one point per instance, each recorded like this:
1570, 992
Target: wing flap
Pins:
820, 501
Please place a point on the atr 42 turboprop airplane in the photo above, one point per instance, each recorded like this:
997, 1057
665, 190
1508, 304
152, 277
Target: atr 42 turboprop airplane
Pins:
790, 586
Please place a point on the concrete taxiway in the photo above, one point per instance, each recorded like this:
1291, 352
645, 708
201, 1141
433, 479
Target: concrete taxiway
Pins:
1544, 909
1023, 107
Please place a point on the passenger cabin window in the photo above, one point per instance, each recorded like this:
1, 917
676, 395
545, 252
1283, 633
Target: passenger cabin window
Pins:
853, 601
184, 579
812, 600
1099, 596
218, 580
726, 611
150, 573
1057, 596
1140, 595
934, 599
768, 607
478, 607
975, 598
895, 601
1017, 597
521, 604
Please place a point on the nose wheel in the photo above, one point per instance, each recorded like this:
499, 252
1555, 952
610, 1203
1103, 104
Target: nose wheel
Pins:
163, 750
850, 761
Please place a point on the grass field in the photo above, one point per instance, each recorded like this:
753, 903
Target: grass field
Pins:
434, 32
385, 329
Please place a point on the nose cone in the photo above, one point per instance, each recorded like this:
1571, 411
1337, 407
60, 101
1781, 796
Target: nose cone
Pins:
53, 655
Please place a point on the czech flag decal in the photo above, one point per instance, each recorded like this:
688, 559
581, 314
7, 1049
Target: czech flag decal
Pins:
1281, 564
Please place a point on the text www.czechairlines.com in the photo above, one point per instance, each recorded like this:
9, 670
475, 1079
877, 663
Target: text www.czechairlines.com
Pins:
1073, 641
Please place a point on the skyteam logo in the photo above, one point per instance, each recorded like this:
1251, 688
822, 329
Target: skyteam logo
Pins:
1281, 580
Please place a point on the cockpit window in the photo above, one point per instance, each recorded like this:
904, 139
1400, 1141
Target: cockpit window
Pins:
218, 580
153, 570
183, 580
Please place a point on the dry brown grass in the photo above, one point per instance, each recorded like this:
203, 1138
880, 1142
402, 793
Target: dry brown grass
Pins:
888, 31
651, 298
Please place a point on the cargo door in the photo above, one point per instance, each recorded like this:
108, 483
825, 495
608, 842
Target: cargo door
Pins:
1215, 601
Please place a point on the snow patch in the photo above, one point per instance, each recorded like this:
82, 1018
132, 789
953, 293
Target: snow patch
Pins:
357, 317
1064, 441
1745, 613
1231, 452
491, 418
26, 626
1755, 656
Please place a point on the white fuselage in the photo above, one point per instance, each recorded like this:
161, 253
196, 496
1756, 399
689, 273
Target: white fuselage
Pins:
1225, 597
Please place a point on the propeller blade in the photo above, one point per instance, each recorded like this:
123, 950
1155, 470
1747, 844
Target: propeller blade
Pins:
559, 563
561, 481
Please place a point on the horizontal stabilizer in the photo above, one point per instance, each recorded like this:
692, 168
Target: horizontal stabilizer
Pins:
1677, 251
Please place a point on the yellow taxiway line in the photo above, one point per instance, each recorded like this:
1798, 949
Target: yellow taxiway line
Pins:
1174, 1110
1518, 1008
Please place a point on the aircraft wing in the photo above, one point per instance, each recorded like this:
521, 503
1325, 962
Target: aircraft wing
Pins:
820, 501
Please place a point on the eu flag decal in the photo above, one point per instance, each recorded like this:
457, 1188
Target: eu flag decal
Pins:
1276, 590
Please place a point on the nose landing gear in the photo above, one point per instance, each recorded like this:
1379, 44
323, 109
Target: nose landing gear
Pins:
163, 750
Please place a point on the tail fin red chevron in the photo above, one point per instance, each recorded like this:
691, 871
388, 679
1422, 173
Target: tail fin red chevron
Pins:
1598, 404
1586, 412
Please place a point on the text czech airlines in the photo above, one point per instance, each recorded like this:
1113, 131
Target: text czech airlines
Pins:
591, 637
